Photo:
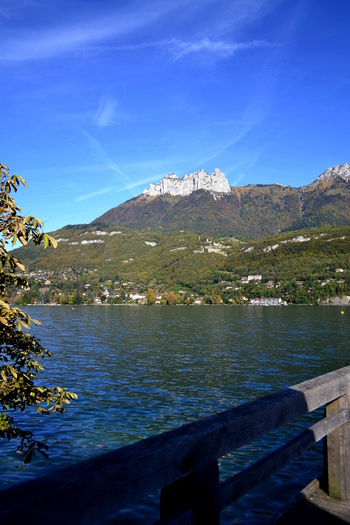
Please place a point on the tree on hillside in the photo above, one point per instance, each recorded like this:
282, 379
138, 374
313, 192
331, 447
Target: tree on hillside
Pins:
20, 352
151, 297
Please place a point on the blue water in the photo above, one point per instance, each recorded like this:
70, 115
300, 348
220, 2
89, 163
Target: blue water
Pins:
139, 371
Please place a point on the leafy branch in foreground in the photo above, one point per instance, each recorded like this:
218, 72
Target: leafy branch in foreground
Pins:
20, 352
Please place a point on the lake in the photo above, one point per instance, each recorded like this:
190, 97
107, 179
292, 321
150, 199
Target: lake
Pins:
139, 371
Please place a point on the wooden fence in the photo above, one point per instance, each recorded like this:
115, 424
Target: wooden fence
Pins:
183, 463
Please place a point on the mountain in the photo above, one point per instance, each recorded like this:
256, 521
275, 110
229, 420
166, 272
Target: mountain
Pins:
208, 206
327, 200
161, 248
217, 183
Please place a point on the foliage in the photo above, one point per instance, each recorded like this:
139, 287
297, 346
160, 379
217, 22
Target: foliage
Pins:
20, 352
151, 297
130, 261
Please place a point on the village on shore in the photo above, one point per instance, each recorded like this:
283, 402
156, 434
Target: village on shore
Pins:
67, 288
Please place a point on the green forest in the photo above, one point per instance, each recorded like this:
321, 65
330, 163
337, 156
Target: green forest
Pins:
113, 265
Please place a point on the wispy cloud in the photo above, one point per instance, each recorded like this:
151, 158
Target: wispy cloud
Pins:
223, 49
104, 33
106, 112
140, 182
93, 194
239, 14
237, 180
179, 48
54, 42
10, 9
254, 114
102, 156
117, 189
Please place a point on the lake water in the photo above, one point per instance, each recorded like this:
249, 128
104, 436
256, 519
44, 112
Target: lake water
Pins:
139, 371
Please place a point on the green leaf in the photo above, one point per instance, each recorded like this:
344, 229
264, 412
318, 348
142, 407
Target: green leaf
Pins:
20, 351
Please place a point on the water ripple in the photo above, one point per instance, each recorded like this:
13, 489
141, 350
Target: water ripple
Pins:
141, 371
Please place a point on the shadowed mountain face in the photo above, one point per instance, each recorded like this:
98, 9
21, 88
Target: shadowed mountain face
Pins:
326, 202
247, 212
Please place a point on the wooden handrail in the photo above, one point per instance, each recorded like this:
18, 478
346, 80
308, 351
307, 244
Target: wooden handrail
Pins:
237, 486
184, 461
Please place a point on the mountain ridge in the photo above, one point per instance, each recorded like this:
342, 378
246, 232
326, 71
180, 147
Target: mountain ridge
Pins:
246, 212
166, 254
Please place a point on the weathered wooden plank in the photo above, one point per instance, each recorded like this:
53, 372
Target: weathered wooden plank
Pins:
318, 509
106, 483
324, 389
338, 453
237, 486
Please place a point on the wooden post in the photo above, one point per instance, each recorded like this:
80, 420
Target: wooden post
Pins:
206, 509
176, 499
198, 491
337, 455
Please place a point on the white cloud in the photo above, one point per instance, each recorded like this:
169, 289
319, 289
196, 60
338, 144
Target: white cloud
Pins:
239, 14
102, 156
179, 49
223, 49
237, 180
106, 112
99, 34
140, 182
252, 117
93, 194
48, 43
117, 189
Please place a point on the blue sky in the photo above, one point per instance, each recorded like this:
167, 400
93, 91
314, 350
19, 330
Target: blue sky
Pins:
100, 98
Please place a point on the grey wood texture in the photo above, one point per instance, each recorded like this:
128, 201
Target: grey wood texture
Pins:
320, 509
87, 491
237, 486
338, 453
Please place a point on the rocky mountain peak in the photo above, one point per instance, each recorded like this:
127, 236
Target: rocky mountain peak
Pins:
343, 171
200, 180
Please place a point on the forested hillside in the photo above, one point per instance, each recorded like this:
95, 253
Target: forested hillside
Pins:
91, 263
199, 247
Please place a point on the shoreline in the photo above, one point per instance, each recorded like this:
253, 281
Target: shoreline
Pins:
193, 305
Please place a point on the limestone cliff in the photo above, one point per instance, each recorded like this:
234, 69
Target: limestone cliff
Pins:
189, 183
247, 212
343, 171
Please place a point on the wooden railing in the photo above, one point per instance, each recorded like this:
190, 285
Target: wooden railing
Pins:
183, 463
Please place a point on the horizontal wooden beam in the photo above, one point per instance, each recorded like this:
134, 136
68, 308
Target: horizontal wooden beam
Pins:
235, 487
101, 485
